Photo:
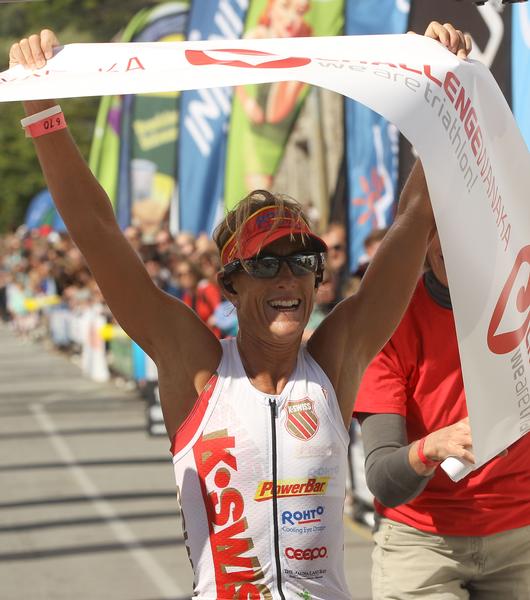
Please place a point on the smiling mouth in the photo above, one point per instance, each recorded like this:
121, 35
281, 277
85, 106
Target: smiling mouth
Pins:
284, 305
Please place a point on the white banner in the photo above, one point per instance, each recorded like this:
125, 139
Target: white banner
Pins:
477, 166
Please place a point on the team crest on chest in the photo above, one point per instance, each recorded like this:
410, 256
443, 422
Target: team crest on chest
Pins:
302, 419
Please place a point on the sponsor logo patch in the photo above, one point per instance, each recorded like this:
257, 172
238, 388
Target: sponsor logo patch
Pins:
306, 553
302, 522
302, 420
302, 517
285, 488
323, 471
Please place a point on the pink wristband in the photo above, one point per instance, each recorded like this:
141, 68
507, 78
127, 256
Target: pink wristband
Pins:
421, 455
43, 122
48, 125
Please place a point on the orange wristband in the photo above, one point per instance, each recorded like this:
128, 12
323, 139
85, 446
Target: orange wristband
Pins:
46, 121
421, 455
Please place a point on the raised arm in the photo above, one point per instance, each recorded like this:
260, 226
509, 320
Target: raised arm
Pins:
165, 328
360, 325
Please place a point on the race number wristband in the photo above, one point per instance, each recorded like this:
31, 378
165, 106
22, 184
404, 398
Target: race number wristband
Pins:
421, 455
46, 121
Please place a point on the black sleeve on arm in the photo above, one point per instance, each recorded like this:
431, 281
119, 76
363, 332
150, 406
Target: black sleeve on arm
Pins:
389, 474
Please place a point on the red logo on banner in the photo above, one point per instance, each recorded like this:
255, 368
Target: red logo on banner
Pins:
502, 343
200, 58
302, 420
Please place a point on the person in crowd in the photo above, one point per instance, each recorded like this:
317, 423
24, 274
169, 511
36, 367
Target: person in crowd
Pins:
371, 244
201, 295
250, 416
435, 538
133, 235
185, 243
337, 259
324, 303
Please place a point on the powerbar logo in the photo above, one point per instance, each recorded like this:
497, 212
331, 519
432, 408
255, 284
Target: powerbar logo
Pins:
315, 486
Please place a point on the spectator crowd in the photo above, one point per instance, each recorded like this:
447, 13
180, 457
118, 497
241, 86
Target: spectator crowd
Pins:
43, 278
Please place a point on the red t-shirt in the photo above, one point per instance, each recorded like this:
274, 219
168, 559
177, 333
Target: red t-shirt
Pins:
204, 302
417, 375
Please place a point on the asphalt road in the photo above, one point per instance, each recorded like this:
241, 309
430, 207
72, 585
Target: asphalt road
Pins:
87, 499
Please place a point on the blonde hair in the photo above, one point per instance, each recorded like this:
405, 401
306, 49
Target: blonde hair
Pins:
234, 221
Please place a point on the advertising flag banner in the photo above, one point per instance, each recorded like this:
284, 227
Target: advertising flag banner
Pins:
105, 149
521, 68
204, 121
453, 112
147, 185
490, 28
372, 142
263, 115
42, 211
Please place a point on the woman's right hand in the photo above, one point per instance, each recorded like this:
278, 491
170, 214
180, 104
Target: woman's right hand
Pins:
34, 51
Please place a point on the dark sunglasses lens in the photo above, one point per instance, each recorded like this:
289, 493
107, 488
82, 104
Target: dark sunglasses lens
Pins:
302, 264
263, 267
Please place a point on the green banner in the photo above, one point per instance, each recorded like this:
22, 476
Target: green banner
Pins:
263, 115
153, 158
105, 149
121, 357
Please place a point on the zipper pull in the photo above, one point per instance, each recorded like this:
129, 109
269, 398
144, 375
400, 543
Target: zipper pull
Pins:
272, 404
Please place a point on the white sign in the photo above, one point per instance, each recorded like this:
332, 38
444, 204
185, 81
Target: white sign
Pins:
476, 162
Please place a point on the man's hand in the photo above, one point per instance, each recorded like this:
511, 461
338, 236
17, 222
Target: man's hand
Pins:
453, 39
454, 440
34, 51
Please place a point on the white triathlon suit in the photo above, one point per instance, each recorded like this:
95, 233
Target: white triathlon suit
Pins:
243, 540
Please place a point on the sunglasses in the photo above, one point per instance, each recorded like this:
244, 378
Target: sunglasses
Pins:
268, 266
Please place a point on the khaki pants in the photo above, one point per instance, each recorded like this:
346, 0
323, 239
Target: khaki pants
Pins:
411, 564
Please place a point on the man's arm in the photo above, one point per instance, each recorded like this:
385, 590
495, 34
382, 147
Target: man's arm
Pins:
167, 330
395, 473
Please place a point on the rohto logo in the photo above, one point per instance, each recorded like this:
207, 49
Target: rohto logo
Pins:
247, 59
302, 517
503, 343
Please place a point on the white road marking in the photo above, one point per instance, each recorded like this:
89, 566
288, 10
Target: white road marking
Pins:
162, 581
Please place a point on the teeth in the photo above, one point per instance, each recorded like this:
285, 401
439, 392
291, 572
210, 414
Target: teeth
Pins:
284, 303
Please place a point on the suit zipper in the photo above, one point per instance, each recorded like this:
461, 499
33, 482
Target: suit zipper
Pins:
273, 408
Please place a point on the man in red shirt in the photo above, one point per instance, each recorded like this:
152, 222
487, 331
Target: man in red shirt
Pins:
434, 537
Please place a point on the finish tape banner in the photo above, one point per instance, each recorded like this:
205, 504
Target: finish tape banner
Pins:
475, 159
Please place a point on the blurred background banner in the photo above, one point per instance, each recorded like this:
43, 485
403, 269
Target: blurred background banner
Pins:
149, 135
372, 145
204, 122
140, 136
263, 115
490, 28
105, 148
521, 68
41, 211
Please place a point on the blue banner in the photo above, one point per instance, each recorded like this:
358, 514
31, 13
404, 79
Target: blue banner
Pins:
372, 143
204, 122
42, 211
521, 68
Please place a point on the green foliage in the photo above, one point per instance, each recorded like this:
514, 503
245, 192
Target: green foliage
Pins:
73, 21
